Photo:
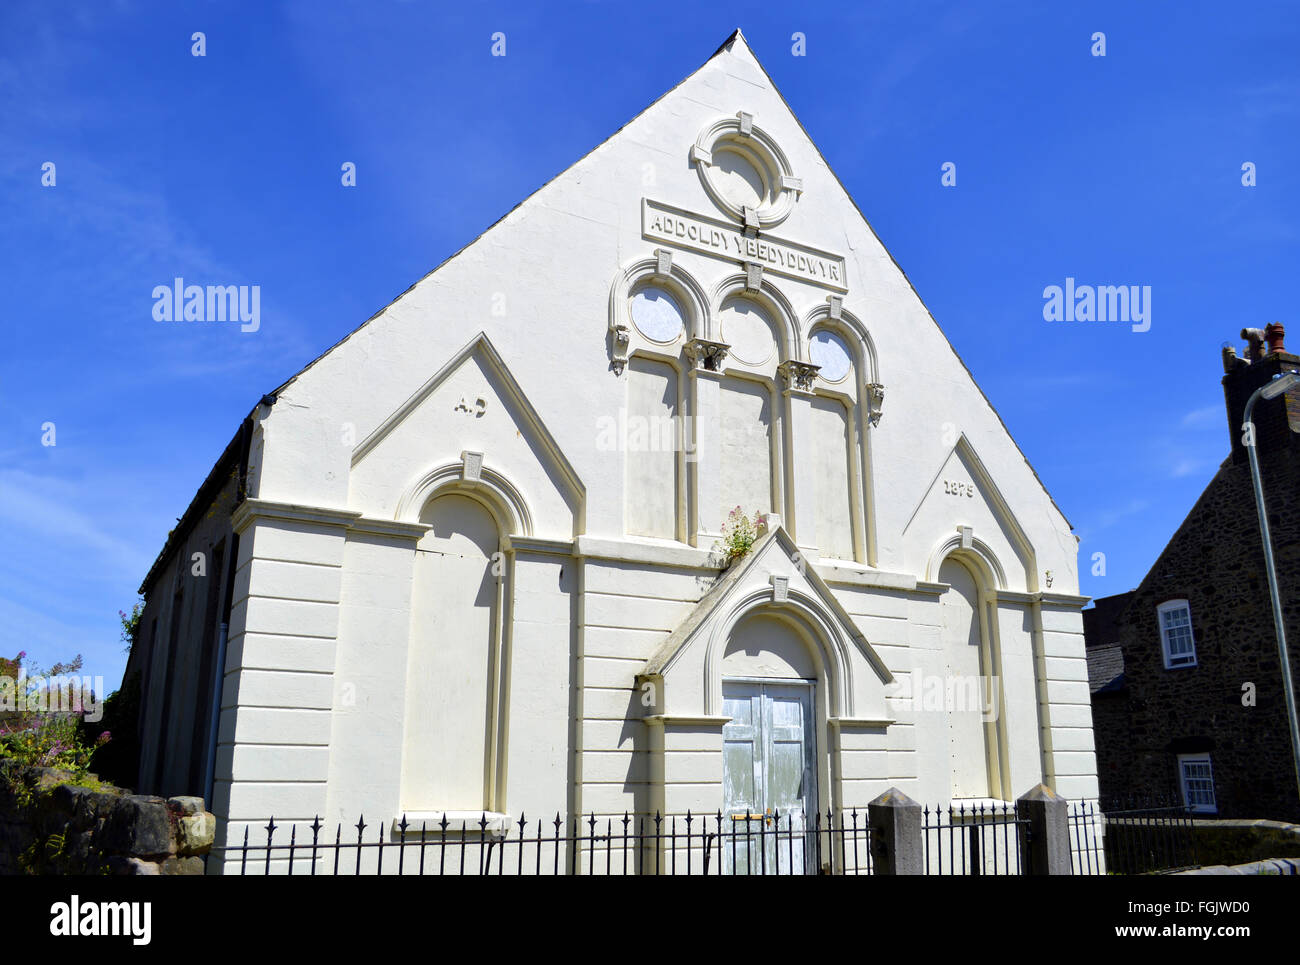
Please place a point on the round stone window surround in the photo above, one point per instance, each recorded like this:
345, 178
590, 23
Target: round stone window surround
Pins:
738, 165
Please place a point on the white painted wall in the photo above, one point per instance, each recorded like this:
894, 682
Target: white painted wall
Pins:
328, 664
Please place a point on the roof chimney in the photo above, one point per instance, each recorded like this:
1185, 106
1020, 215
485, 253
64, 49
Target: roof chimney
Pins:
1266, 357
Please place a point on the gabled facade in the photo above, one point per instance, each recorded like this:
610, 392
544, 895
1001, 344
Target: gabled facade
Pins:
475, 569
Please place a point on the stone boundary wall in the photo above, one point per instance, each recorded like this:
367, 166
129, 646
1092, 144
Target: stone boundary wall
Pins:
51, 826
1234, 842
1271, 866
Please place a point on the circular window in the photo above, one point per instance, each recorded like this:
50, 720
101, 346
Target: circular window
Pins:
741, 167
657, 315
748, 330
738, 179
829, 351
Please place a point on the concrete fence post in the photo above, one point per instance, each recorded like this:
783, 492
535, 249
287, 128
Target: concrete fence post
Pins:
895, 822
1044, 832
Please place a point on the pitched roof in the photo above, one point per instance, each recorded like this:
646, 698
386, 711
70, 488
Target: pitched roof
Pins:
1105, 669
1101, 621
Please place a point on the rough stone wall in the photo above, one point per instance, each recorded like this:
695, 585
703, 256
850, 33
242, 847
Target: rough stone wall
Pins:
1215, 561
48, 826
1236, 842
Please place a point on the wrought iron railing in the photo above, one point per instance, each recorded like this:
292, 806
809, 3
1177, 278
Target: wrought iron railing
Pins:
972, 839
690, 844
985, 838
1087, 855
1149, 836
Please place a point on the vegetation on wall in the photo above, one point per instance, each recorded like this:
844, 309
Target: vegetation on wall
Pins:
44, 728
739, 533
40, 728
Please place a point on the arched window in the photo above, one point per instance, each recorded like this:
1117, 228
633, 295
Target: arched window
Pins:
749, 408
652, 438
970, 686
842, 414
454, 663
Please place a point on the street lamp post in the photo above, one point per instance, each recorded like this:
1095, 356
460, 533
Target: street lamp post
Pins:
1271, 390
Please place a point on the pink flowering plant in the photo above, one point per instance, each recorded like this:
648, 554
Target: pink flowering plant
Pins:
739, 533
33, 736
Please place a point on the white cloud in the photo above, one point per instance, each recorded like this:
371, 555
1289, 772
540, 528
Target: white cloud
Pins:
45, 507
1205, 416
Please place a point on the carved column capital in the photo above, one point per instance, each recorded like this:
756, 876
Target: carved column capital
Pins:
798, 375
707, 354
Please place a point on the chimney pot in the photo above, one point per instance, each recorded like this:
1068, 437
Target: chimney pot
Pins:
1273, 334
1231, 359
1254, 343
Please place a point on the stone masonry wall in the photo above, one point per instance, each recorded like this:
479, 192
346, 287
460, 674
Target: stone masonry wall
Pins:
48, 826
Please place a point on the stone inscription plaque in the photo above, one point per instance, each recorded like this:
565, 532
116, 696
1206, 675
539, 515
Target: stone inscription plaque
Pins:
668, 225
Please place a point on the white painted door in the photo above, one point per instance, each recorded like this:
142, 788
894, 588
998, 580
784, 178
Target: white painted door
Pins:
769, 787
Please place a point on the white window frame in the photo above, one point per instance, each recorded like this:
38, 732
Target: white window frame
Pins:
1173, 662
1201, 808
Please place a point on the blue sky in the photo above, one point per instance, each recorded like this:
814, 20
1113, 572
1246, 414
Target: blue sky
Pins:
1117, 170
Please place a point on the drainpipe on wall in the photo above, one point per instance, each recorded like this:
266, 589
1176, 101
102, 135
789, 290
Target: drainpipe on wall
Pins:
214, 715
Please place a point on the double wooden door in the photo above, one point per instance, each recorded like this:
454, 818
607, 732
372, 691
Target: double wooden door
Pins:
769, 776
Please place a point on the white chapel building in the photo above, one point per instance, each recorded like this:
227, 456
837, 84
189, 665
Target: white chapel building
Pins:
463, 563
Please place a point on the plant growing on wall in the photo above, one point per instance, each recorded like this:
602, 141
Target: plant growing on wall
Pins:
32, 735
130, 623
739, 533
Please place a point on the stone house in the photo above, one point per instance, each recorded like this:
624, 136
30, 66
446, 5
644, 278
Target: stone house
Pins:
463, 563
1185, 675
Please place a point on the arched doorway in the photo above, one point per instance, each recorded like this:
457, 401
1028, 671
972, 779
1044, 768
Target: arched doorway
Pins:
770, 747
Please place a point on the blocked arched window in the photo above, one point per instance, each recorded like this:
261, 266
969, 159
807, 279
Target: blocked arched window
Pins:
848, 404
454, 659
971, 685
